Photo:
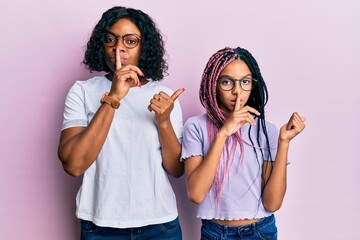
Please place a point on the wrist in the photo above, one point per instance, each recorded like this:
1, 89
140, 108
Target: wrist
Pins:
283, 143
107, 98
220, 135
164, 124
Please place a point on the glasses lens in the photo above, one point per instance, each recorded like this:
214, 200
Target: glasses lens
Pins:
246, 84
110, 40
131, 40
226, 84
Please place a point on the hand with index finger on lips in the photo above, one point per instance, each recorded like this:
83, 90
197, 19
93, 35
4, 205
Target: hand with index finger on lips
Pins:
124, 77
238, 118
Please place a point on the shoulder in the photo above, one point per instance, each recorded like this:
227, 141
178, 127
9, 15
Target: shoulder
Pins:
157, 86
195, 130
92, 82
90, 86
197, 118
198, 121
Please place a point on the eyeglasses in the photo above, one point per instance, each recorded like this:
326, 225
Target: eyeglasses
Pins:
129, 40
227, 83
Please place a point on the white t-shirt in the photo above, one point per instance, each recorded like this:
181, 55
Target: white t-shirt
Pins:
126, 186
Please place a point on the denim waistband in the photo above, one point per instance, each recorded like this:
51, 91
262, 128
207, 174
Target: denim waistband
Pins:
249, 229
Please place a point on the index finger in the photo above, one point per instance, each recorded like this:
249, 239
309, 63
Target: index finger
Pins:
251, 110
237, 103
295, 119
177, 93
117, 59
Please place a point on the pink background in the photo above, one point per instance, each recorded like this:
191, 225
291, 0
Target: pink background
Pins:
309, 53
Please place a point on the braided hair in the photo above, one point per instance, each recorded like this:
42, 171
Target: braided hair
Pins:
215, 117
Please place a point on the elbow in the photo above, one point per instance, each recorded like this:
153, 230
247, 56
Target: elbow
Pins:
195, 197
272, 207
272, 199
72, 171
179, 173
69, 168
174, 171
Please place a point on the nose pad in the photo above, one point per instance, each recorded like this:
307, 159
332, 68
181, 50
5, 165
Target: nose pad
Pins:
237, 88
120, 45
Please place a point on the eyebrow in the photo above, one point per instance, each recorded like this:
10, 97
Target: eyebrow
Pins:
247, 75
107, 32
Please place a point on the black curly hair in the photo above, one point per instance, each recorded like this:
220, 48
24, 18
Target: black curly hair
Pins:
152, 62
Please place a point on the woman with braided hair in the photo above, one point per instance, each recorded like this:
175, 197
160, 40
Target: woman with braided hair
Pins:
235, 160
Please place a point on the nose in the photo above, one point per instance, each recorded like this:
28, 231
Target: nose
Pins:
120, 45
237, 88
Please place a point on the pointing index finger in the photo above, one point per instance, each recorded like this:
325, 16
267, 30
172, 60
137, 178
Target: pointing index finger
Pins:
117, 59
237, 103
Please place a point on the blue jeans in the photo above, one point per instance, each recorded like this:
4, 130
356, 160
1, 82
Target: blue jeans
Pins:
262, 229
165, 231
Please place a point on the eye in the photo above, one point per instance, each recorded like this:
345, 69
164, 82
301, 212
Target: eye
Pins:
109, 39
225, 81
131, 40
246, 81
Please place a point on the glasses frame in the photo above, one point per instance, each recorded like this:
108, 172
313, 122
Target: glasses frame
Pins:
122, 38
234, 80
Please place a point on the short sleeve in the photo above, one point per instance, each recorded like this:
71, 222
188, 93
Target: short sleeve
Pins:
177, 120
74, 112
193, 139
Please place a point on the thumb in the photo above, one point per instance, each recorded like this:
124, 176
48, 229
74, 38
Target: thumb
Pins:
177, 93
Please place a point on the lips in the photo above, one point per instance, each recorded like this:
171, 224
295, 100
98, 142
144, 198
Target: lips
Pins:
123, 60
232, 102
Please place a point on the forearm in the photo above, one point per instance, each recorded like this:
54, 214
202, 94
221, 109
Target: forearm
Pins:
170, 150
275, 188
201, 178
78, 150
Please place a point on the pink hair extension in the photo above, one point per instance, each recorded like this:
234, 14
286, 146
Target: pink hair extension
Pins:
216, 118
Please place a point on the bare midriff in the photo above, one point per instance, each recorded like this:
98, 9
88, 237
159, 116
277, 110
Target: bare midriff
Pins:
236, 223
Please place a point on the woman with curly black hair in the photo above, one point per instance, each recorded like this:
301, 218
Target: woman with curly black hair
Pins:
122, 131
